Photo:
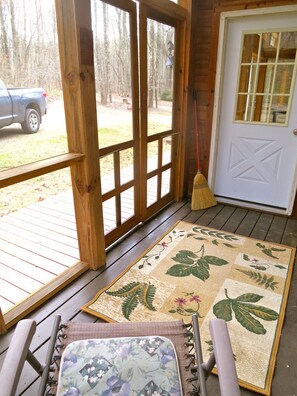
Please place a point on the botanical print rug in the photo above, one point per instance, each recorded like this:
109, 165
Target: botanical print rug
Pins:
194, 269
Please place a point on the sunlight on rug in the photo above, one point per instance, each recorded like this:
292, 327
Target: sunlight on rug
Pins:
194, 269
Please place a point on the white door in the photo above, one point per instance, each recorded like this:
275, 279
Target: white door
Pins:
255, 152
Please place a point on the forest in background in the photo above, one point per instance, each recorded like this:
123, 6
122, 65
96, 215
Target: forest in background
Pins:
30, 56
28, 44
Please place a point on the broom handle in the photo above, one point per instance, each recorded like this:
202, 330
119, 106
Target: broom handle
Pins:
196, 130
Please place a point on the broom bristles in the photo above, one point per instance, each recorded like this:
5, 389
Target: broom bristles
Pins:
202, 197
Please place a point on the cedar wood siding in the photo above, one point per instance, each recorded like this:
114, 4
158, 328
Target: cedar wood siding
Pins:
203, 58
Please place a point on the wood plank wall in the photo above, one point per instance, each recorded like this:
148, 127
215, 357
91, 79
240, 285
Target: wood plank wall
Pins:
204, 45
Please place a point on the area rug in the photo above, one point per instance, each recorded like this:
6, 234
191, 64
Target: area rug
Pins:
215, 274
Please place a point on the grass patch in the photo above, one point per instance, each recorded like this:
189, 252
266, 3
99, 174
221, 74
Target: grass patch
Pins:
108, 136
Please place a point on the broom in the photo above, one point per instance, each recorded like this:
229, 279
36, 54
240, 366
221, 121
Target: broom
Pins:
202, 197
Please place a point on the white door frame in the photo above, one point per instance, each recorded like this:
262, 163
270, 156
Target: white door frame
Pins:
225, 17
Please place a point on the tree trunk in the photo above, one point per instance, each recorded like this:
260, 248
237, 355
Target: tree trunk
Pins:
151, 64
15, 45
5, 68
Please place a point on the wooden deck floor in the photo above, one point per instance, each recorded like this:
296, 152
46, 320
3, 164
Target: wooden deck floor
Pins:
237, 220
36, 244
39, 242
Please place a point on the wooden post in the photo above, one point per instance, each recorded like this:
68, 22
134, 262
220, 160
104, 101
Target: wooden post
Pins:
2, 323
78, 80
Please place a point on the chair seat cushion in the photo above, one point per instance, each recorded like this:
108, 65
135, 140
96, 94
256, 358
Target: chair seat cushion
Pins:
145, 365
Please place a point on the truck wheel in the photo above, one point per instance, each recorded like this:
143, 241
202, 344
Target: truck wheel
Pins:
32, 121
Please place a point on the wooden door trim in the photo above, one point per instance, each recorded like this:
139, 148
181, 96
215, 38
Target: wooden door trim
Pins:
147, 10
114, 150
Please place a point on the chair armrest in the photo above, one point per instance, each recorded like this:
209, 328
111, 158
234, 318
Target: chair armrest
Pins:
224, 358
16, 356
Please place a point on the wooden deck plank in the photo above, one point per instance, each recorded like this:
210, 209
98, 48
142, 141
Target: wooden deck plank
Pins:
209, 215
23, 282
15, 294
55, 245
276, 230
221, 218
4, 304
25, 268
45, 223
35, 259
63, 207
248, 223
46, 233
25, 241
290, 233
262, 226
52, 212
235, 219
194, 215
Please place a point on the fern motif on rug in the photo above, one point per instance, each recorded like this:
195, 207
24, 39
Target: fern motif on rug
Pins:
194, 269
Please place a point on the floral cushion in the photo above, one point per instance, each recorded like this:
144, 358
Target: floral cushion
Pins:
140, 366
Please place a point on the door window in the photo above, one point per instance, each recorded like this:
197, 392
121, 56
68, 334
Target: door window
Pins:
267, 74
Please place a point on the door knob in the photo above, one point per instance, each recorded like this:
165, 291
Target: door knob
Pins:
295, 132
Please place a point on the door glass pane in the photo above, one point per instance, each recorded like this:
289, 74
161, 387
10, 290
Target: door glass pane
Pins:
247, 79
288, 45
266, 73
269, 47
265, 108
266, 78
283, 79
112, 59
250, 47
160, 64
278, 111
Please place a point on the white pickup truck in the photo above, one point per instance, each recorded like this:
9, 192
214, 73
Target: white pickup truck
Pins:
25, 106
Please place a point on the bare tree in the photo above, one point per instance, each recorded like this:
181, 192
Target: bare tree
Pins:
29, 49
105, 81
15, 59
5, 68
151, 62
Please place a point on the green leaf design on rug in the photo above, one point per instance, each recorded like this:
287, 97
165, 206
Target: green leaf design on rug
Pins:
268, 251
280, 266
245, 311
215, 234
216, 243
261, 279
190, 263
135, 293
